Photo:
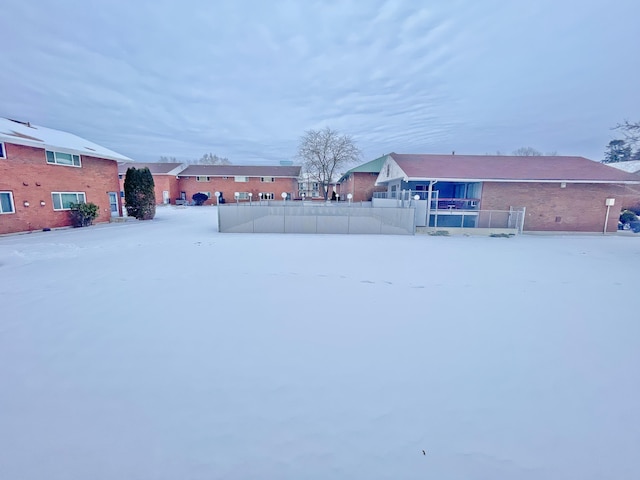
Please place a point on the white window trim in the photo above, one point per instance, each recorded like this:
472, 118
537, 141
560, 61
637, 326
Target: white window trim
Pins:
267, 179
13, 204
243, 195
65, 193
63, 164
208, 194
3, 150
267, 196
241, 179
199, 178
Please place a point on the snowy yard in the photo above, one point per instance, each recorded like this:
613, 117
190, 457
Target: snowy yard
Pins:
165, 350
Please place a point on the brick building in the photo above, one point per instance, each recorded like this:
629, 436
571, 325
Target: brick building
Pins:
43, 171
249, 182
165, 179
360, 181
557, 193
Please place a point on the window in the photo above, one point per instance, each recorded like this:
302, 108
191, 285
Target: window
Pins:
315, 186
267, 179
202, 179
2, 154
267, 196
6, 203
63, 200
301, 187
59, 158
208, 194
241, 179
243, 195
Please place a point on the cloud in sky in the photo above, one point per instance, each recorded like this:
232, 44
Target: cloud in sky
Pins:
245, 79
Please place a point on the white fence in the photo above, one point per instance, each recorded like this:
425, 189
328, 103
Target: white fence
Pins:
296, 217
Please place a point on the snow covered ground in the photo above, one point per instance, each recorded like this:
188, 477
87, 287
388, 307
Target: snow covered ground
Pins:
165, 350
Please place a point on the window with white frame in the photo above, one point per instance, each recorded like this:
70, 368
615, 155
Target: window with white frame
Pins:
301, 187
59, 158
63, 200
241, 179
6, 203
267, 195
267, 179
208, 194
2, 151
243, 195
202, 179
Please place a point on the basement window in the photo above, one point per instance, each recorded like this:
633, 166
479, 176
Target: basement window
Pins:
59, 158
2, 153
63, 200
266, 196
6, 203
243, 195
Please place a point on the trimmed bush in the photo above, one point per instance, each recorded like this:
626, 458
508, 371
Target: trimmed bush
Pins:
139, 193
199, 198
83, 214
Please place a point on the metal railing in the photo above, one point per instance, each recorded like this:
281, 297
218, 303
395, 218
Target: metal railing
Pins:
508, 219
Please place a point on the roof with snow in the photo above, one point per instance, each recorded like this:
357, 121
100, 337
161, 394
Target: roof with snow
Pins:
506, 168
25, 133
632, 166
156, 168
242, 170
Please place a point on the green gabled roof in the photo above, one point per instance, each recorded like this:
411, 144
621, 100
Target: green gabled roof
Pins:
373, 166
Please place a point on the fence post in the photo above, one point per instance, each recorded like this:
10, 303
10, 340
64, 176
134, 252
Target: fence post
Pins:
489, 218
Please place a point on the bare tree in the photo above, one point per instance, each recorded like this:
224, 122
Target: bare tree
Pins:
631, 131
168, 160
211, 159
527, 152
324, 153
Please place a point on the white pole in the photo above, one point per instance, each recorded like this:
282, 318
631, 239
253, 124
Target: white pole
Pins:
606, 220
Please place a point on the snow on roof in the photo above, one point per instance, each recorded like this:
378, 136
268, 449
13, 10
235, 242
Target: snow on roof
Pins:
509, 168
632, 166
25, 133
156, 168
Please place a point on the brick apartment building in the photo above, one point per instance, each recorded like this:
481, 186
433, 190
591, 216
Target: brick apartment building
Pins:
360, 181
558, 193
43, 171
179, 182
165, 179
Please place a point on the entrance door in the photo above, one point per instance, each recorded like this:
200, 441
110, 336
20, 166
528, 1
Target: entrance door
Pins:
165, 197
113, 204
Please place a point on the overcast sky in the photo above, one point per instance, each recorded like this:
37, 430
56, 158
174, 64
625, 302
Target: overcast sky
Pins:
245, 79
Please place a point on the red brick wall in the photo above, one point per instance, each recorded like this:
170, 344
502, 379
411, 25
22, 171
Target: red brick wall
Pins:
576, 208
161, 183
168, 183
361, 185
229, 186
26, 173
